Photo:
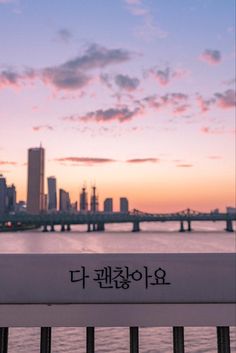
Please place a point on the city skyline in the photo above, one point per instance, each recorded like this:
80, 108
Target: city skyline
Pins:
144, 110
41, 199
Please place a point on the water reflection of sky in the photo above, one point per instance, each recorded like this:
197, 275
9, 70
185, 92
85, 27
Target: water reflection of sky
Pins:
153, 239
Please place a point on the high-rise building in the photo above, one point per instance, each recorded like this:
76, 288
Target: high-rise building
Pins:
94, 200
52, 193
3, 195
11, 198
108, 205
124, 205
64, 200
35, 190
83, 200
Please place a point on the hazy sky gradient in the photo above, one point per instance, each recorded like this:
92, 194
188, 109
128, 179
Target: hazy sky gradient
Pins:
135, 95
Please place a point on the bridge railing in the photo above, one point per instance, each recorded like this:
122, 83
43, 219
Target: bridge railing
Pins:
118, 290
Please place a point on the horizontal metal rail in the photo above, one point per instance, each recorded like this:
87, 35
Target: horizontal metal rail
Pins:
222, 333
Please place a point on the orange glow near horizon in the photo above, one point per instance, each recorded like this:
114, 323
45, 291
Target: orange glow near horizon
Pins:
147, 189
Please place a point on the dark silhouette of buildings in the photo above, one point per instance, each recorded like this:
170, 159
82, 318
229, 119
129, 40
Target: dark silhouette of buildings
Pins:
108, 205
94, 200
83, 200
35, 187
3, 195
11, 198
52, 193
7, 197
38, 201
64, 200
124, 205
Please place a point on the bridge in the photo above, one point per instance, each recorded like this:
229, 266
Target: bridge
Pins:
96, 221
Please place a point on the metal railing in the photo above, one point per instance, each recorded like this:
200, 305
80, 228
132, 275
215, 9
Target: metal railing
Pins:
222, 332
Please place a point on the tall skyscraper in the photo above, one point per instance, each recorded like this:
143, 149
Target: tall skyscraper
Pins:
35, 190
83, 200
64, 201
124, 205
108, 205
94, 200
3, 195
11, 198
52, 193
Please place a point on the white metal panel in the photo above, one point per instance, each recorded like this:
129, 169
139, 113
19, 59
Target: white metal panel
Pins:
117, 315
125, 278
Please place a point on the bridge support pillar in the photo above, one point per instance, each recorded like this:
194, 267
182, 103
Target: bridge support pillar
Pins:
229, 226
101, 227
182, 227
136, 227
45, 229
89, 227
52, 228
189, 226
68, 228
62, 227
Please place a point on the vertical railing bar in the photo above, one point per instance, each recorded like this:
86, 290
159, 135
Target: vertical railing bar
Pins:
45, 340
90, 340
3, 339
223, 339
134, 339
178, 339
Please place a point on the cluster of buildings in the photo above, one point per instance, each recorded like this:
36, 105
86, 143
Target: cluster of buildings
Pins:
38, 201
7, 197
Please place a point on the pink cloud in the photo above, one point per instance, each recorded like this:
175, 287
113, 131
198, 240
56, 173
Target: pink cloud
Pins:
72, 74
12, 79
211, 56
216, 131
89, 161
42, 127
206, 130
121, 114
7, 163
184, 165
165, 76
223, 100
142, 160
176, 102
204, 104
226, 100
9, 78
161, 76
181, 109
215, 157
180, 73
127, 83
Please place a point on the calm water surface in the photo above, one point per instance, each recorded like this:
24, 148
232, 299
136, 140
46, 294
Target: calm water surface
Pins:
206, 237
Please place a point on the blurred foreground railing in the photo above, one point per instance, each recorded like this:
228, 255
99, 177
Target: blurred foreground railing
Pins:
118, 290
222, 334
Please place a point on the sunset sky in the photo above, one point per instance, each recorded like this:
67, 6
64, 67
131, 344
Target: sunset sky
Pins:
137, 96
